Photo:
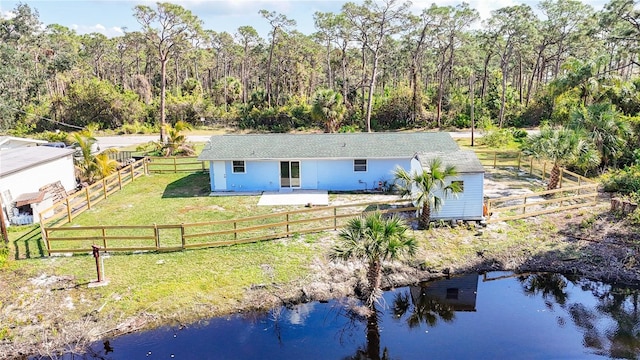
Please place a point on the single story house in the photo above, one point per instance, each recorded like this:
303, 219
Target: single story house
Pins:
467, 205
26, 173
337, 162
11, 142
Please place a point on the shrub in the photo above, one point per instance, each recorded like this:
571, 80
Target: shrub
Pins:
54, 136
137, 128
4, 255
625, 181
519, 135
497, 138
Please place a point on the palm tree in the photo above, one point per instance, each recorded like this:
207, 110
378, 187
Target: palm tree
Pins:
605, 127
105, 166
374, 238
428, 189
90, 166
562, 147
328, 108
84, 139
177, 142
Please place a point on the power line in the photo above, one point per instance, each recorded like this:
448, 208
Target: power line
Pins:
43, 118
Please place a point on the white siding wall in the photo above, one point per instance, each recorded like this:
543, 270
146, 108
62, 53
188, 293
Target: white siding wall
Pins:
32, 179
468, 204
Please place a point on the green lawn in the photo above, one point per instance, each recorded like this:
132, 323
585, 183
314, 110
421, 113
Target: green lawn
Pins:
186, 284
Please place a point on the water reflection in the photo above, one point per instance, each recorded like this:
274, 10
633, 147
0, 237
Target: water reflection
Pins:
615, 305
497, 315
435, 301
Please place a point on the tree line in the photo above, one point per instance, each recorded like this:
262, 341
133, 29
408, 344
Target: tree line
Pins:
375, 65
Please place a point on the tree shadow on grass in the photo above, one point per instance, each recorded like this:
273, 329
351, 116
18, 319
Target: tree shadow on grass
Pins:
194, 185
29, 245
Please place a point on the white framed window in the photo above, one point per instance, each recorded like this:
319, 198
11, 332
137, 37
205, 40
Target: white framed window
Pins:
238, 167
460, 184
360, 165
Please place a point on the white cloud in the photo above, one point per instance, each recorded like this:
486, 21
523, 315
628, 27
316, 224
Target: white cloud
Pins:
98, 28
7, 14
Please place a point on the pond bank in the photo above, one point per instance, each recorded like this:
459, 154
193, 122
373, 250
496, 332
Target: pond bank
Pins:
589, 242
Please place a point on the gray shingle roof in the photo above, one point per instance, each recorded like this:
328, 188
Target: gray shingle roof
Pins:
465, 161
14, 160
317, 146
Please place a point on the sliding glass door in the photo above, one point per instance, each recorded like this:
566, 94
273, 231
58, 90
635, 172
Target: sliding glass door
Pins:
290, 174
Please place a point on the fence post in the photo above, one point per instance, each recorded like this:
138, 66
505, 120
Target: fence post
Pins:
579, 185
184, 242
335, 219
120, 179
524, 206
104, 238
104, 187
175, 165
519, 156
86, 192
45, 237
235, 232
156, 235
145, 165
531, 167
561, 173
287, 221
133, 176
488, 208
495, 158
544, 170
68, 210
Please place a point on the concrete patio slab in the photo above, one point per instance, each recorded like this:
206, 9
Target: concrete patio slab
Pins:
295, 197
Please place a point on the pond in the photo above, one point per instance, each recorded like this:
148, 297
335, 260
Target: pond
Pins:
492, 316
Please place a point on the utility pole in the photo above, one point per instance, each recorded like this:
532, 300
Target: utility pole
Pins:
3, 225
472, 80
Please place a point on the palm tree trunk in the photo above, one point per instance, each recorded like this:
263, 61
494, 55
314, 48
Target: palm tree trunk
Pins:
425, 216
373, 335
374, 276
554, 177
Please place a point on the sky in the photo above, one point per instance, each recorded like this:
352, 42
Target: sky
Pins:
113, 17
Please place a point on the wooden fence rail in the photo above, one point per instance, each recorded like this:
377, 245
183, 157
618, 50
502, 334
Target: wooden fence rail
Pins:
539, 203
171, 237
65, 211
575, 191
176, 164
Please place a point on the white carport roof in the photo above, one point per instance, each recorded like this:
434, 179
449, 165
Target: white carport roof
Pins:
14, 160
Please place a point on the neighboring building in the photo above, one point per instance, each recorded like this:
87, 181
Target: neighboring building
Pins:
337, 162
458, 293
467, 205
11, 142
27, 173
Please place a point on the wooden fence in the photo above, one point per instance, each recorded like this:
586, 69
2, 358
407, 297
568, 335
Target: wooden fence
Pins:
215, 233
66, 210
176, 164
574, 190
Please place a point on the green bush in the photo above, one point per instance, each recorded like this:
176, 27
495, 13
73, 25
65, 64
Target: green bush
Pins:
625, 181
497, 138
137, 128
519, 135
462, 121
54, 136
4, 255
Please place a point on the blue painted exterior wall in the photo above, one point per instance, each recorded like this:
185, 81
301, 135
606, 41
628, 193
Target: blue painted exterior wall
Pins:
467, 205
339, 175
336, 175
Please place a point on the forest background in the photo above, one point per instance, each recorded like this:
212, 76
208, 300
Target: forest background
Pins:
374, 66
